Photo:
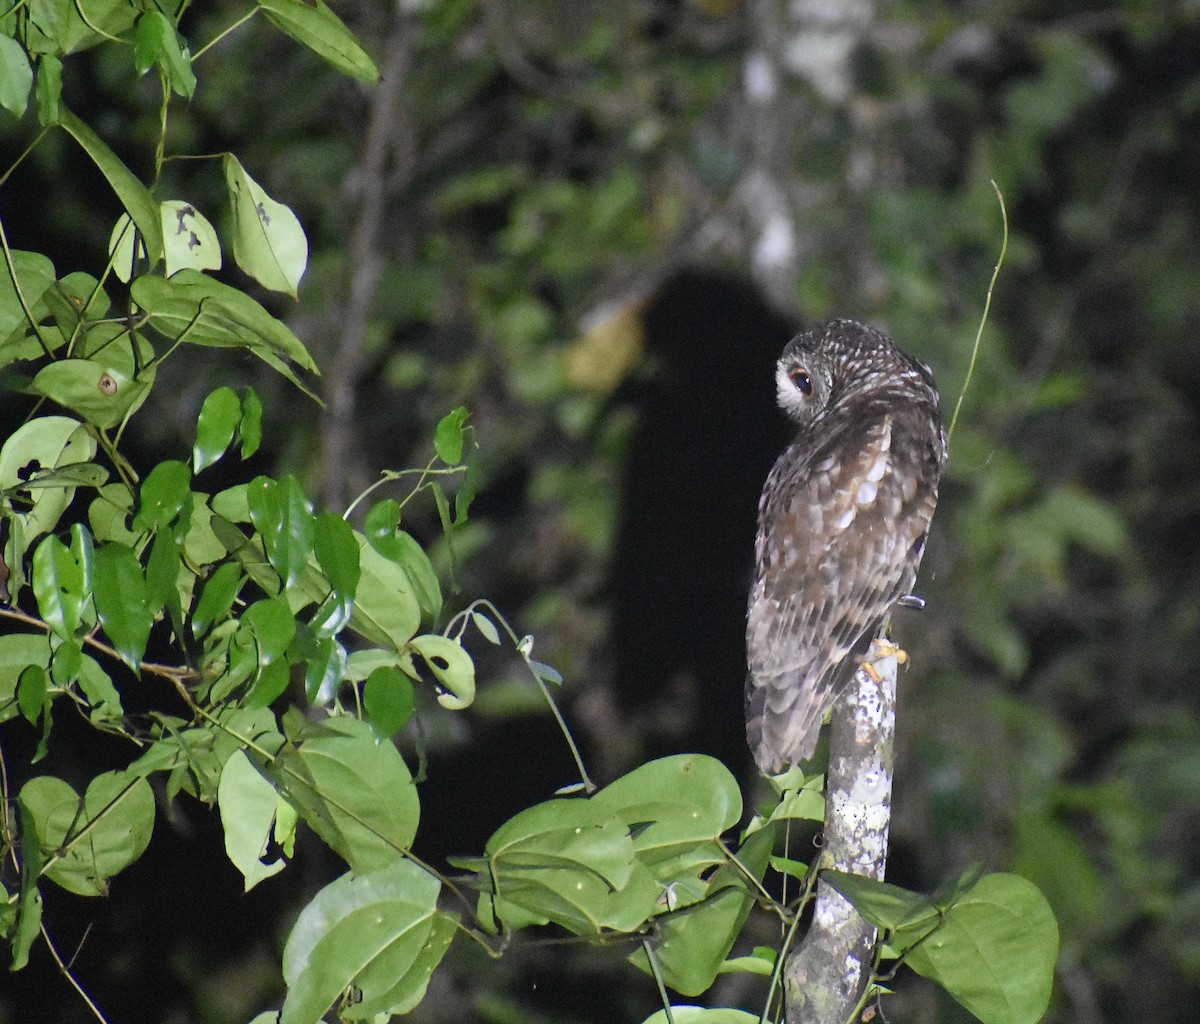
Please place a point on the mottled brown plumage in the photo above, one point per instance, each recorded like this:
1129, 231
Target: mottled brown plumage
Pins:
842, 526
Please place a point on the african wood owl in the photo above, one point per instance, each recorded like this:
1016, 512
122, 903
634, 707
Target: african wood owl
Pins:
841, 526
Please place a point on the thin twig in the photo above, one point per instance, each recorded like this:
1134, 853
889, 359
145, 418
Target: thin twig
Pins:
66, 973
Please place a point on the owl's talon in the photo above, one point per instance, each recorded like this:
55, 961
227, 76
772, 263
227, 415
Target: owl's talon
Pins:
912, 601
884, 648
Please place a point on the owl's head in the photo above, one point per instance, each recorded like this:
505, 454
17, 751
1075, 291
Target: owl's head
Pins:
803, 379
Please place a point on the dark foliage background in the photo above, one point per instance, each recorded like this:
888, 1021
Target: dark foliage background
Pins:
595, 224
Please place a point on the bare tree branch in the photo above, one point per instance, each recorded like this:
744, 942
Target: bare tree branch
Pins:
825, 977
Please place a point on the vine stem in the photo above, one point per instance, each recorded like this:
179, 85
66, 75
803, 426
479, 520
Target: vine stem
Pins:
65, 970
987, 308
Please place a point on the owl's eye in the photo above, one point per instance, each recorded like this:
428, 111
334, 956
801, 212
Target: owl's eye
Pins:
801, 379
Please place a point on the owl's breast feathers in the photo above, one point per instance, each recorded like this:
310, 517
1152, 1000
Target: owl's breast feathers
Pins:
842, 527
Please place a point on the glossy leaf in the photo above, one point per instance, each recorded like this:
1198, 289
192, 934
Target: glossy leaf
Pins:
164, 494
701, 1015
122, 602
905, 917
215, 427
156, 42
268, 241
251, 426
217, 597
58, 584
324, 671
448, 438
386, 611
39, 447
337, 553
33, 687
995, 951
35, 275
282, 515
100, 393
353, 791
47, 89
380, 528
380, 933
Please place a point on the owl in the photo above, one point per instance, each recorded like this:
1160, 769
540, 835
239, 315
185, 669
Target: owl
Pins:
841, 526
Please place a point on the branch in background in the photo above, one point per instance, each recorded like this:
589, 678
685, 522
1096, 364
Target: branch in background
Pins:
389, 132
825, 978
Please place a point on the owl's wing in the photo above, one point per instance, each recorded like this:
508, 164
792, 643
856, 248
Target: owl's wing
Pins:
840, 539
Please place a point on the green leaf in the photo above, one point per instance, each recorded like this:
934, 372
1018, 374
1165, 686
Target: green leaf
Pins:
251, 426
248, 803
678, 807
189, 240
451, 666
217, 597
17, 652
58, 584
268, 241
99, 692
96, 837
29, 906
398, 547
389, 700
282, 514
325, 669
906, 917
691, 944
134, 197
48, 89
318, 28
35, 275
164, 495
699, 1015
337, 553
380, 933
16, 76
39, 447
191, 306
386, 611
99, 392
162, 575
486, 626
215, 427
448, 438
33, 687
995, 951
356, 793
157, 42
271, 622
122, 602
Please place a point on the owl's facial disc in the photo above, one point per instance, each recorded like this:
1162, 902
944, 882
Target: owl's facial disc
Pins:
798, 388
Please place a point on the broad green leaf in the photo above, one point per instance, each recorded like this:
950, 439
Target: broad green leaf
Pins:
389, 699
995, 951
189, 240
271, 622
48, 89
95, 838
215, 427
451, 666
100, 393
17, 652
122, 602
59, 586
165, 493
248, 803
134, 197
217, 597
282, 514
29, 906
200, 543
397, 546
386, 611
268, 241
66, 663
677, 808
448, 438
38, 447
485, 626
162, 575
16, 76
157, 42
318, 28
98, 691
110, 516
684, 1014
193, 307
691, 944
355, 792
380, 933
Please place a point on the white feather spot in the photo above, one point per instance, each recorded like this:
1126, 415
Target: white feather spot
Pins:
845, 519
866, 492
